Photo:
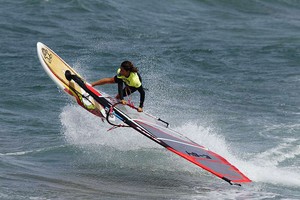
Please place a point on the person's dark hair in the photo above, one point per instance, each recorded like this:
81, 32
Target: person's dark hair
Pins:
128, 66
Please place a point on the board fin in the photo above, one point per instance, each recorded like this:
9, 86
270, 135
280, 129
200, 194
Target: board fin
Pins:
68, 75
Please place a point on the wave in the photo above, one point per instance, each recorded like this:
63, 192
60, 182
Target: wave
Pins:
34, 151
89, 132
83, 129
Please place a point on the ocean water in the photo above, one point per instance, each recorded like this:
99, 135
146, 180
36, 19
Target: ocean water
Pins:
224, 73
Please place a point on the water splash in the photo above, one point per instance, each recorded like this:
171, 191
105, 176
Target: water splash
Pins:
83, 129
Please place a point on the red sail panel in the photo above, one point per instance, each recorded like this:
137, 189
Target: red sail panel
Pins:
196, 154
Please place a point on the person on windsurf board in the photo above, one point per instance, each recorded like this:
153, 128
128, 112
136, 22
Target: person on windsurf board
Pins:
127, 74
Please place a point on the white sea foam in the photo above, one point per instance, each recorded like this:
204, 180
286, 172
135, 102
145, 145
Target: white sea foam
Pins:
82, 128
264, 167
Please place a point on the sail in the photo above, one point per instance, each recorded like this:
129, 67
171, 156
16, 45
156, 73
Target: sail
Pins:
158, 130
184, 147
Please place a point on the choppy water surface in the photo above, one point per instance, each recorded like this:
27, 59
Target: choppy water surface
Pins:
224, 73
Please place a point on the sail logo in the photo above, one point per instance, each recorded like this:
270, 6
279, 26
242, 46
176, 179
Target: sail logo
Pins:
198, 155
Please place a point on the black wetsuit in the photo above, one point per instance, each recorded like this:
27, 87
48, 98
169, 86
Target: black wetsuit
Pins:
123, 92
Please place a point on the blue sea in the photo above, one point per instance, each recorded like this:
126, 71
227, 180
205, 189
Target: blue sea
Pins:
224, 73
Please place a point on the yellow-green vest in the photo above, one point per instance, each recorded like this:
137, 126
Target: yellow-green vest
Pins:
133, 80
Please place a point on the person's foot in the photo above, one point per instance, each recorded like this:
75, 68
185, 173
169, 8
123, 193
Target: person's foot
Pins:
123, 102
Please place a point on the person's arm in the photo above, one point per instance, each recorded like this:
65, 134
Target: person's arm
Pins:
103, 81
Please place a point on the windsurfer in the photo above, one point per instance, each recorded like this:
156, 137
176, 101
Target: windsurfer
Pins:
127, 74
